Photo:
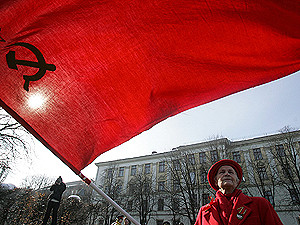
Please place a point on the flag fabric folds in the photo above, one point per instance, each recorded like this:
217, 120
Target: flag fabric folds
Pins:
87, 75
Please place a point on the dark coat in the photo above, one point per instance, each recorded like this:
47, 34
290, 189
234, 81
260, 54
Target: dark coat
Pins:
58, 190
246, 211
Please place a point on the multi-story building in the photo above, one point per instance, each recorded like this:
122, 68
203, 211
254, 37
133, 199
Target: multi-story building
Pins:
78, 188
172, 186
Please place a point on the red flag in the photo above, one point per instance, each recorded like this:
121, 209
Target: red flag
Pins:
108, 70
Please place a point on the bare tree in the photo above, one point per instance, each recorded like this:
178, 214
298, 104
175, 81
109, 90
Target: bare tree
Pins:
24, 206
219, 148
13, 143
95, 207
141, 196
73, 211
8, 197
188, 187
287, 156
37, 182
264, 178
112, 186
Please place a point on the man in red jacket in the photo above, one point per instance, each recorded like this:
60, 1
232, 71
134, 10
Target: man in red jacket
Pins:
231, 206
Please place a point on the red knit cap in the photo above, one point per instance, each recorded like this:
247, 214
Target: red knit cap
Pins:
224, 162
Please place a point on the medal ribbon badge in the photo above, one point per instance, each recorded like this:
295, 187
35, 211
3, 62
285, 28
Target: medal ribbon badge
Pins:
241, 213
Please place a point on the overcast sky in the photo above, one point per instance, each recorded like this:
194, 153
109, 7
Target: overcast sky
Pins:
255, 112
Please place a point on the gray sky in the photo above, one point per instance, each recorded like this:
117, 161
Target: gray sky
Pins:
255, 112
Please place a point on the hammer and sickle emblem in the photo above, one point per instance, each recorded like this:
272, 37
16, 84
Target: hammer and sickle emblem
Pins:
12, 63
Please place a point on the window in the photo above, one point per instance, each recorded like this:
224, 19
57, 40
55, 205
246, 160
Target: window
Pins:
129, 205
161, 185
214, 156
133, 170
110, 173
287, 171
119, 188
121, 172
176, 185
160, 205
257, 154
268, 195
175, 204
146, 187
202, 157
161, 167
192, 159
205, 198
159, 222
193, 177
106, 189
131, 188
262, 173
147, 168
175, 221
176, 164
236, 157
203, 177
145, 206
280, 150
82, 192
295, 196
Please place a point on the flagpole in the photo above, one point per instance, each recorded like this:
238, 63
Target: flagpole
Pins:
106, 197
75, 170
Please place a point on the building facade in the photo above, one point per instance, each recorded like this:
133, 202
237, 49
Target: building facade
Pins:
172, 186
78, 188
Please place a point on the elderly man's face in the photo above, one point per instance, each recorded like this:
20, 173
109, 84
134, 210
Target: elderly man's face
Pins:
226, 178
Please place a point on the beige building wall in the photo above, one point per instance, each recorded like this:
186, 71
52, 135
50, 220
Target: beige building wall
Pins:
253, 154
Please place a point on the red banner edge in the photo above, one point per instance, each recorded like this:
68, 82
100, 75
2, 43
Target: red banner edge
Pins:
42, 140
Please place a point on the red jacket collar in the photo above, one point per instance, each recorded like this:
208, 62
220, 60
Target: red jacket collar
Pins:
211, 215
239, 212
